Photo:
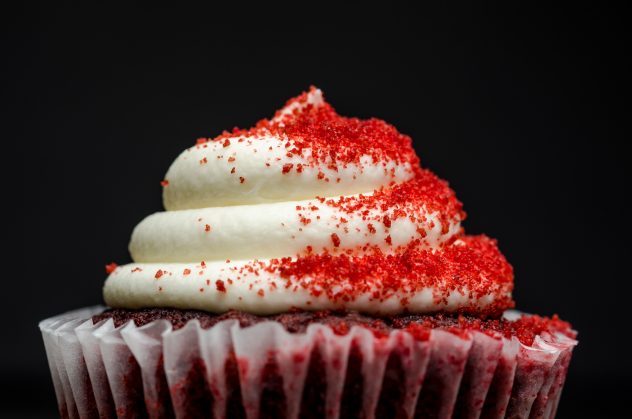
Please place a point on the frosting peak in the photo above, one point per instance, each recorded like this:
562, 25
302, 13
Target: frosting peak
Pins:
306, 150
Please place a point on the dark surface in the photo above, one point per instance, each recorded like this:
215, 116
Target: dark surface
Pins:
515, 107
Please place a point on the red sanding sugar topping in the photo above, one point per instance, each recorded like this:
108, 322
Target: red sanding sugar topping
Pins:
219, 284
405, 199
320, 135
110, 267
472, 265
525, 328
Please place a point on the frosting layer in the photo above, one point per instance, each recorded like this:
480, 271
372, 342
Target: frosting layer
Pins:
469, 276
252, 172
309, 210
424, 210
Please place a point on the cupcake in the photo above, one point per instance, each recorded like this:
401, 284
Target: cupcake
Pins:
307, 267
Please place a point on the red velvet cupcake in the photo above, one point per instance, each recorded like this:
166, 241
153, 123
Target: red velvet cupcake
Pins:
307, 267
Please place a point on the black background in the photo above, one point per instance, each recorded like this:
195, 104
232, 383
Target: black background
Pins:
516, 107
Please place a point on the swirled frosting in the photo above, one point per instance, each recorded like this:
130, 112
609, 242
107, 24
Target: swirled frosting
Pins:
309, 210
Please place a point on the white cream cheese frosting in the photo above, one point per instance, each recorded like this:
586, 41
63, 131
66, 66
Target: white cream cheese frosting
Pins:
250, 198
193, 286
276, 230
220, 173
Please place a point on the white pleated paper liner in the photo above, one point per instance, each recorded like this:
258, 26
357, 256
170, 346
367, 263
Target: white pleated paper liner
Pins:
262, 371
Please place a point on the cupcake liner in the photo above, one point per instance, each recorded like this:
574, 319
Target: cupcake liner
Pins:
99, 370
500, 389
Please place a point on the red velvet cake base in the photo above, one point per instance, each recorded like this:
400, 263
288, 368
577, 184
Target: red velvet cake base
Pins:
194, 396
469, 368
524, 328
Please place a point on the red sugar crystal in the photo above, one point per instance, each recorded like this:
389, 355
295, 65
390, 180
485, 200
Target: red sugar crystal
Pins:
219, 284
110, 267
335, 239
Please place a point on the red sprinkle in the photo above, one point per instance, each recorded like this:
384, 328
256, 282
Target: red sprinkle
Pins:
219, 284
186, 271
287, 167
110, 267
241, 179
226, 143
207, 228
159, 273
335, 239
164, 183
